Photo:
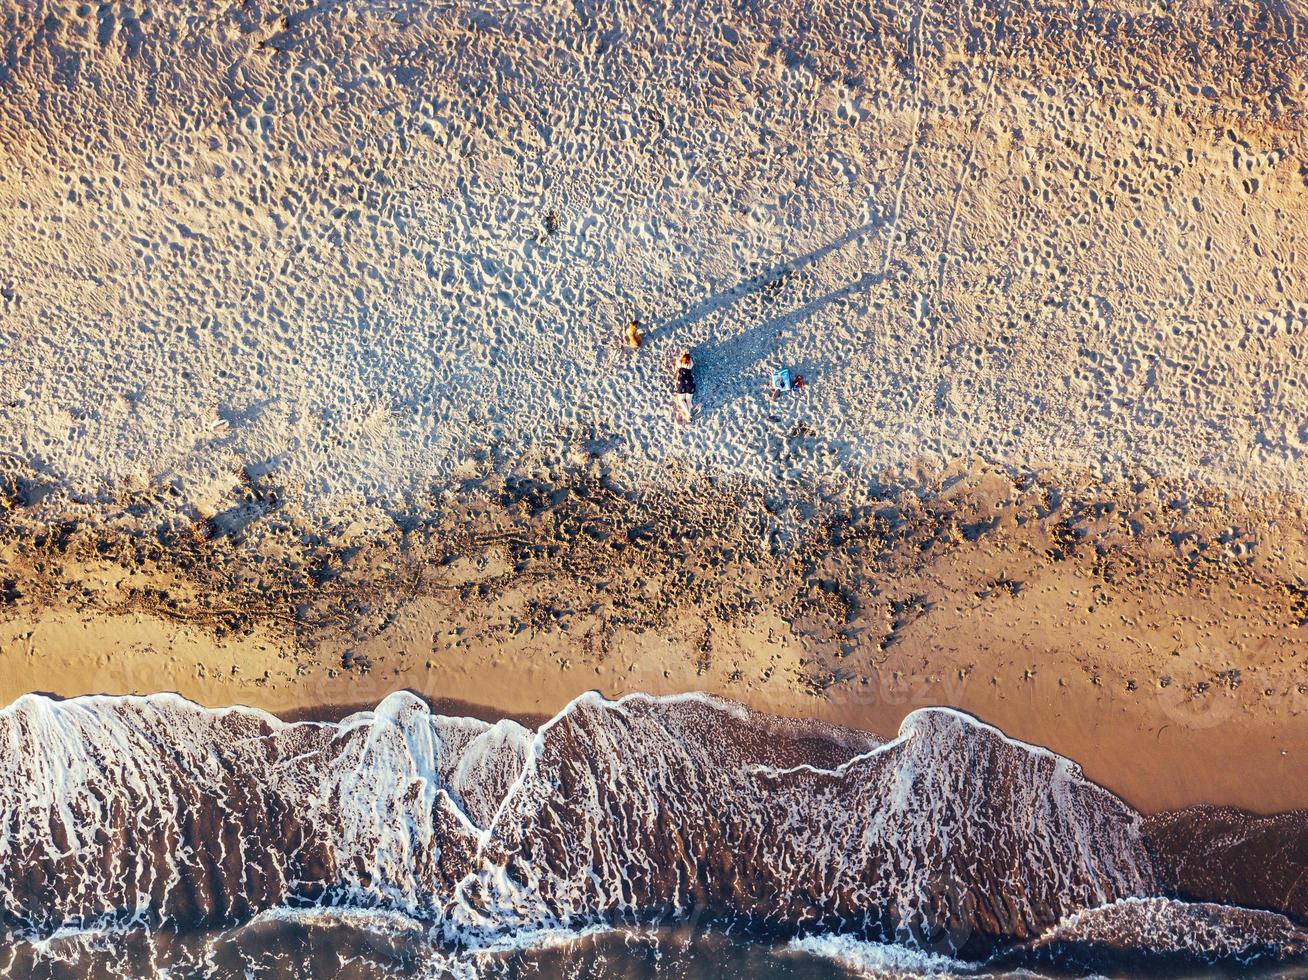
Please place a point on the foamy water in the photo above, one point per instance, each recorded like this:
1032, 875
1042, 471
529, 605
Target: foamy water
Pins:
155, 831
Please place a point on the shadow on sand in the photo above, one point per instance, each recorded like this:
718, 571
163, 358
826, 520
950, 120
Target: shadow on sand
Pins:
772, 278
723, 369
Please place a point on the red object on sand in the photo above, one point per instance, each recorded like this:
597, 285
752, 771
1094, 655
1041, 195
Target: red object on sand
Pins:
799, 381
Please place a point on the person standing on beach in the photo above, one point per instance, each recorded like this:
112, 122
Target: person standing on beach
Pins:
683, 386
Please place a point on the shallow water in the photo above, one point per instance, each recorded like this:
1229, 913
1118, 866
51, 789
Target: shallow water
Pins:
354, 945
150, 837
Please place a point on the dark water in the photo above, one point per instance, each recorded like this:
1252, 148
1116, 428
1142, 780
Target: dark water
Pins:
370, 946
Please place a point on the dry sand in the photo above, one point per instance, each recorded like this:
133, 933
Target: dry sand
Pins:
349, 244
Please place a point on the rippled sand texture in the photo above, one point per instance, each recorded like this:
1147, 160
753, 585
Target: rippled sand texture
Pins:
347, 242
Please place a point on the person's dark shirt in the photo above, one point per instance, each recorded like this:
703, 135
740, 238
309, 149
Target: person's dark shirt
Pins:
685, 383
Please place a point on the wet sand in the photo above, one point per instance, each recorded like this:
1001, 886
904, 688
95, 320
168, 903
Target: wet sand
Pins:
1134, 628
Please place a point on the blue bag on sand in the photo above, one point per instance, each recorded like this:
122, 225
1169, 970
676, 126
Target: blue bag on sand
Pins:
781, 379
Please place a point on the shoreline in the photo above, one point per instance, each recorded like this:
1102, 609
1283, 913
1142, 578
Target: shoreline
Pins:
1116, 627
1145, 761
745, 789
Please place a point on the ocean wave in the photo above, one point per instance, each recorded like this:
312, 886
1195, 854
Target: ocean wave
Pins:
884, 961
132, 814
1166, 933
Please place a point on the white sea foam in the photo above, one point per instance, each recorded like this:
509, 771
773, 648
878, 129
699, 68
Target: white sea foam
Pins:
916, 825
883, 961
950, 839
1201, 931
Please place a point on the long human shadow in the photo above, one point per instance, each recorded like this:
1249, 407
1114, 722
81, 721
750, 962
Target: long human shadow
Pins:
773, 276
723, 369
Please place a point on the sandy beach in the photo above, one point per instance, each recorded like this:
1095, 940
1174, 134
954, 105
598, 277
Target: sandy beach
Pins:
337, 351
